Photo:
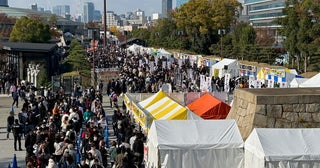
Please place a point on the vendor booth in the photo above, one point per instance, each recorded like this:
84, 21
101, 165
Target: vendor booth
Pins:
160, 107
226, 66
194, 143
209, 107
283, 148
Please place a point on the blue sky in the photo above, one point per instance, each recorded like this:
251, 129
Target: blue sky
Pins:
118, 6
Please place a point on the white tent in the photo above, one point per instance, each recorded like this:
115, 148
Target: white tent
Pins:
163, 52
283, 148
296, 82
135, 49
226, 66
312, 82
195, 143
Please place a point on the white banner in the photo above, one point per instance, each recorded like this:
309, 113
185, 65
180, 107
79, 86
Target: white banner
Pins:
226, 82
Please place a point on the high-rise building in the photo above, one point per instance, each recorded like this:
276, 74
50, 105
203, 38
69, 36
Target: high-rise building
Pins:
97, 15
34, 7
61, 10
180, 2
88, 12
4, 3
112, 19
166, 7
262, 13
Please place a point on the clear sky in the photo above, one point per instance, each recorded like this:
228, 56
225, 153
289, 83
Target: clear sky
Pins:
118, 6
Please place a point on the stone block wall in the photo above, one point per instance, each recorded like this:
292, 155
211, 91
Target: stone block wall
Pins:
275, 108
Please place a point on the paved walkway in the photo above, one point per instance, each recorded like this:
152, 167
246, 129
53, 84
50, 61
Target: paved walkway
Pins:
6, 146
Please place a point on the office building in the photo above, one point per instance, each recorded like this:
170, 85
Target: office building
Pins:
4, 3
97, 15
112, 19
166, 7
88, 12
61, 10
34, 7
262, 13
180, 2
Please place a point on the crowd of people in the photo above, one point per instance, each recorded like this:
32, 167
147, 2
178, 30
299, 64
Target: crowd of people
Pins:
63, 130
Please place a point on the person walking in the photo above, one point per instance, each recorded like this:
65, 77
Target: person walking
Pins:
10, 122
15, 97
17, 132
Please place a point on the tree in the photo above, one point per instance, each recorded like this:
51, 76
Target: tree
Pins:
30, 30
195, 19
114, 30
243, 40
201, 20
301, 29
76, 61
53, 19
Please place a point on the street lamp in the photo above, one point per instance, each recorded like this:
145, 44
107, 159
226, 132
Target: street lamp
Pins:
104, 24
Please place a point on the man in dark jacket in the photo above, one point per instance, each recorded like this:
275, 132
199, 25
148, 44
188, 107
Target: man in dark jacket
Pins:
17, 133
138, 148
10, 122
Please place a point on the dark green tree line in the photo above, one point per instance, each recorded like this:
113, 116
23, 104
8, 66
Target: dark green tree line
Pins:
301, 28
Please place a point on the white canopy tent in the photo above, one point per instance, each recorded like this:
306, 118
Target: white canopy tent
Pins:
312, 82
135, 49
163, 52
194, 143
226, 66
283, 148
296, 82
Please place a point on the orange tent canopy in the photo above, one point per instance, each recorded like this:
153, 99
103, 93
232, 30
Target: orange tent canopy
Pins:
209, 107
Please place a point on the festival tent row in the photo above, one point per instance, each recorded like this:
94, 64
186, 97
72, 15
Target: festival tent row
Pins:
194, 143
283, 148
209, 107
218, 143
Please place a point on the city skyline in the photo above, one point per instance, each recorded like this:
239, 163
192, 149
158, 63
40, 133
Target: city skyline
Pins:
149, 6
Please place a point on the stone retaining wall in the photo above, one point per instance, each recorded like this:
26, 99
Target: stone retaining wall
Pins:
275, 108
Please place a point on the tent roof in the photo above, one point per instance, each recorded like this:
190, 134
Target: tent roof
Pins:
285, 144
222, 63
162, 51
297, 81
152, 99
312, 82
167, 109
195, 134
209, 107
